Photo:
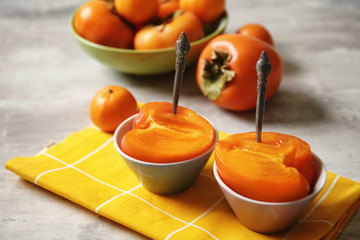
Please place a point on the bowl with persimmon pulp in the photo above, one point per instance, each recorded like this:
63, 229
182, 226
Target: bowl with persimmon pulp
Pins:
268, 216
167, 154
149, 61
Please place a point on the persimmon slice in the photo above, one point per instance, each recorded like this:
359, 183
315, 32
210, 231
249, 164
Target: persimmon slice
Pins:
160, 136
279, 169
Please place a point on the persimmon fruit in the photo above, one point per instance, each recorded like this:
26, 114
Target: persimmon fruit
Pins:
207, 10
160, 136
226, 71
137, 11
96, 22
166, 34
258, 31
167, 7
279, 169
110, 106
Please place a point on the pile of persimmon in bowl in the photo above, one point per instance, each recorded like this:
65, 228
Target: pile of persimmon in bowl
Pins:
138, 36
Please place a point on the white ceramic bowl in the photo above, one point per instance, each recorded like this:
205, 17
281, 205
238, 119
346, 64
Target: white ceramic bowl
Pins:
270, 217
163, 178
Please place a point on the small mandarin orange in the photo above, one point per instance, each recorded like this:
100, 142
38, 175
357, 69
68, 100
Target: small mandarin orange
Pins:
110, 106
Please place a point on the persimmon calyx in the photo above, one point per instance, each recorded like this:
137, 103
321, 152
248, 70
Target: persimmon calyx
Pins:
215, 74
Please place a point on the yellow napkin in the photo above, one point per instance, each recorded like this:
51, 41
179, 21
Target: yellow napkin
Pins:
86, 169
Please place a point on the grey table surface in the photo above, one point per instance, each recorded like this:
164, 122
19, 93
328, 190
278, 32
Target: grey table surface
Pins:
47, 81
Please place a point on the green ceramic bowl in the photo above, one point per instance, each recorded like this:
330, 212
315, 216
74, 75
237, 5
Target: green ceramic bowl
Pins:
146, 62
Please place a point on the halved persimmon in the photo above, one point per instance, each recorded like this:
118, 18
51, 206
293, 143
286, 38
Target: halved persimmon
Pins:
160, 136
279, 169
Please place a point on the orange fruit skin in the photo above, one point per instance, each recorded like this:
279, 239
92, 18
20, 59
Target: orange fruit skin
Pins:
154, 38
258, 31
110, 106
279, 169
137, 11
167, 7
159, 136
207, 10
240, 94
95, 22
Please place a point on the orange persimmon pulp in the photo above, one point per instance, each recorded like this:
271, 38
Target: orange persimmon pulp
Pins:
160, 136
279, 169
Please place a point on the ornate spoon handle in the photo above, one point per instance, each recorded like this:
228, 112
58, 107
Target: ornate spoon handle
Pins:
263, 69
182, 47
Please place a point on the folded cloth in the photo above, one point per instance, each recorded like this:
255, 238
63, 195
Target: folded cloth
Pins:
86, 169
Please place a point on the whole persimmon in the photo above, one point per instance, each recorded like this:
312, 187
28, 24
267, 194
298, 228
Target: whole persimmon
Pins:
110, 106
167, 7
258, 31
207, 10
226, 71
95, 22
166, 34
137, 11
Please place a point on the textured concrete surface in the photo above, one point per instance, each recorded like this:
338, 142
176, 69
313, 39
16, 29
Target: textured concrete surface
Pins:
47, 81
